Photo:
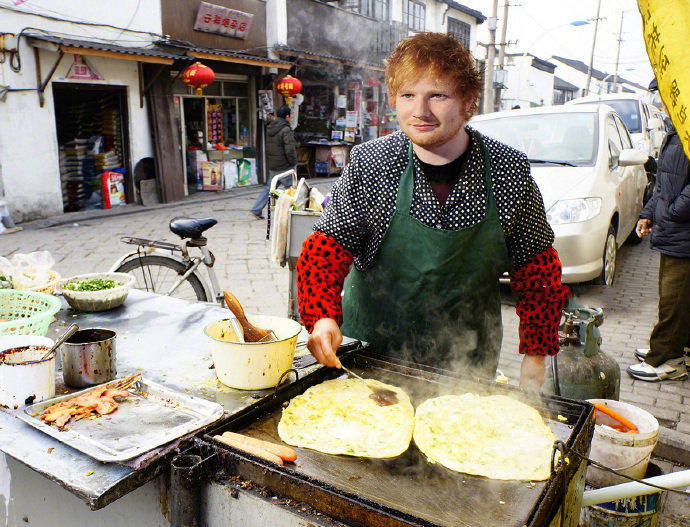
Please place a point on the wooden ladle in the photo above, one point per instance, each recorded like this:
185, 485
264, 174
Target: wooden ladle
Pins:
251, 332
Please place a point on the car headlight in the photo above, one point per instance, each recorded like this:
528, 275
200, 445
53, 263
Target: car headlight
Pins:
573, 210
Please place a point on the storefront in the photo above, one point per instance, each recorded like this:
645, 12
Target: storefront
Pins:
343, 104
92, 134
215, 127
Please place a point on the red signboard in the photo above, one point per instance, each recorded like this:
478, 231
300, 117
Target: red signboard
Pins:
222, 20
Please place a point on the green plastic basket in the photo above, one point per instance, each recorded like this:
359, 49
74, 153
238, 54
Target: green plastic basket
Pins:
27, 312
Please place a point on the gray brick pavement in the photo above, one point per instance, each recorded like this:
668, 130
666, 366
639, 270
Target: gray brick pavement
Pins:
87, 242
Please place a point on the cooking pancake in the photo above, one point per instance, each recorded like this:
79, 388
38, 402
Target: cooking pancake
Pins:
339, 417
494, 436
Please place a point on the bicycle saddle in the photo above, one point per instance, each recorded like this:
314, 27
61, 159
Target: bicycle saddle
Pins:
191, 227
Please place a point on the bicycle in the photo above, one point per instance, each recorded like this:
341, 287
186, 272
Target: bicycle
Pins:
168, 268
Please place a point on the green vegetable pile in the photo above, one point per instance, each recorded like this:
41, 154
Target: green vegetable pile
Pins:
5, 282
97, 284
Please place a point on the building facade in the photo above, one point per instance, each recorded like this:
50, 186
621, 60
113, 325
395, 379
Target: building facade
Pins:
97, 89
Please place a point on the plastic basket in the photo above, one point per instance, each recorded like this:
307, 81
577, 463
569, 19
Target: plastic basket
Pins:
26, 312
48, 288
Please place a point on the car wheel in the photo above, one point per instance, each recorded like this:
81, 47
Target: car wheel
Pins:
609, 260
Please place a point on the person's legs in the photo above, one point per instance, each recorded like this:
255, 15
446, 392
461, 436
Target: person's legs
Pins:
261, 201
670, 334
665, 358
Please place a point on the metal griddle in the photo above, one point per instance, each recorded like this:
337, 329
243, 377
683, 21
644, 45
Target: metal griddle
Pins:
406, 490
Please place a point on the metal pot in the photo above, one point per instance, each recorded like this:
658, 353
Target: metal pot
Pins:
88, 357
24, 377
253, 365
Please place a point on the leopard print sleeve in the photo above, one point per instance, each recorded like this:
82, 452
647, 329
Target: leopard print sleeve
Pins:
321, 268
542, 298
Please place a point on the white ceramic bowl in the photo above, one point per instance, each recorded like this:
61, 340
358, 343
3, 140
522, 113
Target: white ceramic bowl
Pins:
253, 365
97, 300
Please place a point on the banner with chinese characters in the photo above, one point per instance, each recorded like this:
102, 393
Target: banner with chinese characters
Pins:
224, 21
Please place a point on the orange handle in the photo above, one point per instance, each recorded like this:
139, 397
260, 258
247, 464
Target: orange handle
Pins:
632, 429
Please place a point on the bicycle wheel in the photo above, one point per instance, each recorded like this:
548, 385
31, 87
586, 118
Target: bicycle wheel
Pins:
157, 274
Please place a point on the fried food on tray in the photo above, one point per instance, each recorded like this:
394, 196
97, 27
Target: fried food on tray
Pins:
99, 401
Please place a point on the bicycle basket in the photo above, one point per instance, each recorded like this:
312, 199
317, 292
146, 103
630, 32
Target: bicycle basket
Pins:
26, 312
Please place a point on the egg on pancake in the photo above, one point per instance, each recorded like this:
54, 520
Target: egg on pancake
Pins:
493, 436
339, 417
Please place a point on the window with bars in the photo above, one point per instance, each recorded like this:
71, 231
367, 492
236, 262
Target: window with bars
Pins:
414, 14
460, 30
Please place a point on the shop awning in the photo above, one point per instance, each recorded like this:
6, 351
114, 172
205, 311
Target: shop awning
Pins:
148, 54
101, 49
237, 58
321, 57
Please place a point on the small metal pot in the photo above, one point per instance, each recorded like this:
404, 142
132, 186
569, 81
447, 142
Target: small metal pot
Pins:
88, 358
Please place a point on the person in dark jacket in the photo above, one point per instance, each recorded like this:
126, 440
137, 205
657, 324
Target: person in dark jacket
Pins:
281, 155
666, 216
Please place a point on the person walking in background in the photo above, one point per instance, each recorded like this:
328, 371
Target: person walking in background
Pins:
667, 218
281, 155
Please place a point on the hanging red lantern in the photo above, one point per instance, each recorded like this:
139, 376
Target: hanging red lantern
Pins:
198, 76
289, 86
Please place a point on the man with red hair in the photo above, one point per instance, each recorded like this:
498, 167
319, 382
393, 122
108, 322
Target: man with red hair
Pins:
431, 216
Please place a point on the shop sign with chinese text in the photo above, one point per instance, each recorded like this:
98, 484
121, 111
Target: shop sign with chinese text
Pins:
222, 20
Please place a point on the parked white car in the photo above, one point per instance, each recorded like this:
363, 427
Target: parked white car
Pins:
643, 121
591, 179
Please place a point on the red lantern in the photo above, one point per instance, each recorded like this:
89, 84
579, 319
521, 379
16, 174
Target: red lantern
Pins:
289, 86
198, 76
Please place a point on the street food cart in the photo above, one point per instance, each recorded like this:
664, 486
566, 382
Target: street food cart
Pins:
193, 480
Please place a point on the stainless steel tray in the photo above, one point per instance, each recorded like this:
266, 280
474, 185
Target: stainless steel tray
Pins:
151, 416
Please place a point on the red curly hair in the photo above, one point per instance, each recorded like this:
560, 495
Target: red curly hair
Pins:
438, 55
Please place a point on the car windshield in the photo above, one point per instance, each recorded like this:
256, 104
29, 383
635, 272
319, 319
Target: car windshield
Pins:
559, 138
629, 112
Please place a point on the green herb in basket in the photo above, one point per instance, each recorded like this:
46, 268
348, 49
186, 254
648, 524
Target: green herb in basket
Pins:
97, 284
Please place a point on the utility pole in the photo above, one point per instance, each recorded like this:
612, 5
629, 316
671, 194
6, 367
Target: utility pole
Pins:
488, 106
502, 43
594, 41
618, 53
502, 50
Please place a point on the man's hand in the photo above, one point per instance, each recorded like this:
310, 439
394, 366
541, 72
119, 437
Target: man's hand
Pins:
324, 342
532, 373
643, 228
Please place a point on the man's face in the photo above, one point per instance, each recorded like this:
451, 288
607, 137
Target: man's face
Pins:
431, 113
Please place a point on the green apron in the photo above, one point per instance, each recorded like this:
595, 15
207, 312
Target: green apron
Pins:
431, 296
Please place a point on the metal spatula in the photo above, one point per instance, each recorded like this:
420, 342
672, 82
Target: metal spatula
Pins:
381, 396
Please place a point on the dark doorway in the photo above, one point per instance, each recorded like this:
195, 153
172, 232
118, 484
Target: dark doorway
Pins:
92, 124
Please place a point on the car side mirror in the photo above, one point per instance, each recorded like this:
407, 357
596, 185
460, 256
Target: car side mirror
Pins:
654, 123
631, 156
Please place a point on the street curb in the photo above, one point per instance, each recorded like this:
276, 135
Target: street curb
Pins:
673, 446
192, 199
123, 210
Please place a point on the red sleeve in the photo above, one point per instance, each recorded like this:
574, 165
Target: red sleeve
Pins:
542, 298
322, 267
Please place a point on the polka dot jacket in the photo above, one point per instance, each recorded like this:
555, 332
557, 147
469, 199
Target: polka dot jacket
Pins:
363, 200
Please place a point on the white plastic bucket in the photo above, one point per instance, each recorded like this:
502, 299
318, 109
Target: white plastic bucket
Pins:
624, 452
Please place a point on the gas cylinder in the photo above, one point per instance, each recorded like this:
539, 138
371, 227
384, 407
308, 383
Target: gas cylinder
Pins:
581, 370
